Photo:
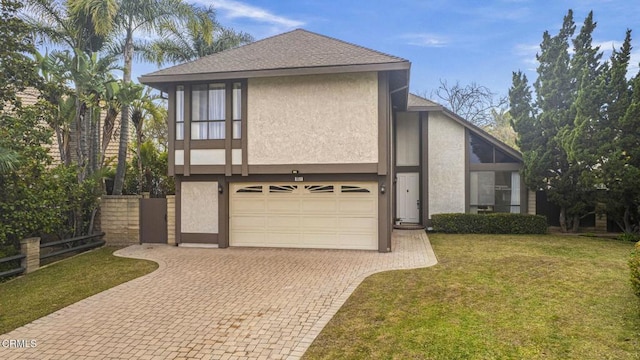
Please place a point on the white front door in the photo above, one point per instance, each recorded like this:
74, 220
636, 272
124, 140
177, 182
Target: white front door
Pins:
408, 197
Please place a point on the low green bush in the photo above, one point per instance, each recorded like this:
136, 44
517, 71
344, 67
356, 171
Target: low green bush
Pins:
634, 265
498, 223
631, 237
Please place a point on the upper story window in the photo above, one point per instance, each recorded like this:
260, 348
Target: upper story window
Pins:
209, 104
237, 110
208, 110
482, 152
180, 112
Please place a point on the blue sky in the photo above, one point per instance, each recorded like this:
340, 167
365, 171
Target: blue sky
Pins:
454, 40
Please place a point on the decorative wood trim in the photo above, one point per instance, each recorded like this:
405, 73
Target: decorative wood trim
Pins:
467, 181
171, 119
208, 144
495, 167
405, 169
384, 218
161, 81
187, 130
178, 205
383, 122
424, 161
223, 213
244, 132
177, 145
198, 238
304, 169
228, 126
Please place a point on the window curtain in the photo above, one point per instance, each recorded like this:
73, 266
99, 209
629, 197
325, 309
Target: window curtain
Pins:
199, 112
515, 192
217, 111
180, 113
237, 110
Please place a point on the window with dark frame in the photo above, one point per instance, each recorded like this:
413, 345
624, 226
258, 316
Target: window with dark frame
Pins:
209, 104
180, 112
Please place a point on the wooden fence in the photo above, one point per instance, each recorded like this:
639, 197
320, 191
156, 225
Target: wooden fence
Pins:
32, 252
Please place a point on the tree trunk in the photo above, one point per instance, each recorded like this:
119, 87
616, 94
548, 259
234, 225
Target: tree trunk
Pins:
107, 132
576, 224
628, 226
94, 150
118, 182
563, 219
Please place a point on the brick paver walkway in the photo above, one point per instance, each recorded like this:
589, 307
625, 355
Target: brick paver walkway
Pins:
237, 303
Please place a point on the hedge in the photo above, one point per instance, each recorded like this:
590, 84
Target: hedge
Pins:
497, 223
634, 265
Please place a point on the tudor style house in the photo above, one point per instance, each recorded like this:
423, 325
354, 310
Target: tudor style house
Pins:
301, 140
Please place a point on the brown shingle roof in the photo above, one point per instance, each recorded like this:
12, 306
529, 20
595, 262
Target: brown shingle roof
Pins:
292, 50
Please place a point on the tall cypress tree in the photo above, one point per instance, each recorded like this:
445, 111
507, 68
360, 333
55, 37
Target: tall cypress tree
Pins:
555, 132
620, 151
555, 94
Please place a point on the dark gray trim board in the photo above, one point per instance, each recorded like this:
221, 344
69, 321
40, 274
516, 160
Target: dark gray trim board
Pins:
197, 238
162, 82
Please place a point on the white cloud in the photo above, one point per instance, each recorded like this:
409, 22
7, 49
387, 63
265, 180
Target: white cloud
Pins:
426, 40
236, 9
527, 54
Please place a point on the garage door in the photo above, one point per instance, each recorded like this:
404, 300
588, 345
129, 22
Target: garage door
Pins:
304, 215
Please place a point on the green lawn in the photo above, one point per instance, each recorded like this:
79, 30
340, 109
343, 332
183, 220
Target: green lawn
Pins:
494, 297
42, 292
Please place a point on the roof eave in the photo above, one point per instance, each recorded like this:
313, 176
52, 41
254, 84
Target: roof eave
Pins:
158, 81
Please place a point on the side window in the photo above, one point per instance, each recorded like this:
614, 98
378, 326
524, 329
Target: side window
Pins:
180, 112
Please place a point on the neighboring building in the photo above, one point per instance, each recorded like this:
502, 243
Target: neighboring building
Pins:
302, 140
30, 97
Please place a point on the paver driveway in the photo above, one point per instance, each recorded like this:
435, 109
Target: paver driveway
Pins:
214, 303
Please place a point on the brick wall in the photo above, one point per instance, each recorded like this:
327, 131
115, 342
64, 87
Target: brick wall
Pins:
531, 202
120, 219
171, 219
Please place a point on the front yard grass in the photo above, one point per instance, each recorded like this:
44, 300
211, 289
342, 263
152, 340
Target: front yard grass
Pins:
42, 292
494, 297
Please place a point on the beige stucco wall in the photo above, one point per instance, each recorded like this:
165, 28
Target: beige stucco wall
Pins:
446, 165
314, 119
199, 207
407, 139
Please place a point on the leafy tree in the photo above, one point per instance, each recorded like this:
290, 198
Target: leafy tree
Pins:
555, 132
620, 164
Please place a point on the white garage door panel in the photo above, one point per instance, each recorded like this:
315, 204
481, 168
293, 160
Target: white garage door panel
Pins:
320, 206
320, 223
250, 205
357, 206
304, 215
283, 222
278, 204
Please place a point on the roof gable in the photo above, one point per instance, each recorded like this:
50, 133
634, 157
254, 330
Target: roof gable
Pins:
418, 103
292, 50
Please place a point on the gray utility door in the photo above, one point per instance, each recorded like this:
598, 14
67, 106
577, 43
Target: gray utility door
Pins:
408, 197
153, 221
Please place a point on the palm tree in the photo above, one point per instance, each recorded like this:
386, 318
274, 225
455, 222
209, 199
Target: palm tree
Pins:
55, 22
202, 35
128, 17
8, 160
145, 108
